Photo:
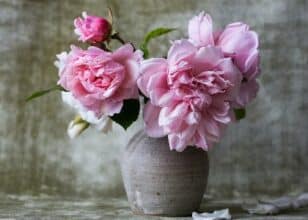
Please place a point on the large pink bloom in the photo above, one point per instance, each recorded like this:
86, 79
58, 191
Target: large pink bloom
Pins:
189, 94
92, 28
100, 80
236, 41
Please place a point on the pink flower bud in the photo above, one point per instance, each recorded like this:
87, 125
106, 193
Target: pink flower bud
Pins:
92, 28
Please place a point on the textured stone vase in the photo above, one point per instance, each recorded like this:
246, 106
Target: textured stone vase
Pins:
163, 182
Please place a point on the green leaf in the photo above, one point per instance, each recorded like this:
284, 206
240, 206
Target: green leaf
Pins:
128, 114
240, 113
149, 36
44, 92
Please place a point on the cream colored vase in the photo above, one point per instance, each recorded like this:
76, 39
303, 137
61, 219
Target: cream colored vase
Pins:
163, 182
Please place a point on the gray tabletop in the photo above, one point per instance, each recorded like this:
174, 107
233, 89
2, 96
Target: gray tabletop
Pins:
50, 207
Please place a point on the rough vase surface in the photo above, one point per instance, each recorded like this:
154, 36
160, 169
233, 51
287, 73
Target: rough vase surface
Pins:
163, 182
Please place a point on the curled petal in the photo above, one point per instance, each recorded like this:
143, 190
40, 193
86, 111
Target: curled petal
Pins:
110, 107
180, 50
193, 118
238, 38
232, 74
200, 30
179, 141
148, 69
251, 65
200, 140
207, 58
150, 116
172, 113
248, 91
161, 97
123, 53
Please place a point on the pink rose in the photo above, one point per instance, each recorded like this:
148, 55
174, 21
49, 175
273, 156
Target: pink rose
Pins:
100, 80
92, 28
190, 94
236, 41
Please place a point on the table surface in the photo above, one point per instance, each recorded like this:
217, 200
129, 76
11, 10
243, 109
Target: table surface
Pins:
53, 207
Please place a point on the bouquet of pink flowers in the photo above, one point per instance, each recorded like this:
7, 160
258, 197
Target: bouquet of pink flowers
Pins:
191, 95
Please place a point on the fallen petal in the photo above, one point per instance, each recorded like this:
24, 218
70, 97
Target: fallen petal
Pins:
216, 215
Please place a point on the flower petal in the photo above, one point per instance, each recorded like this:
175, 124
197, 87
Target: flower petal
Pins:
180, 50
123, 53
180, 141
148, 69
172, 113
207, 58
248, 91
200, 30
150, 116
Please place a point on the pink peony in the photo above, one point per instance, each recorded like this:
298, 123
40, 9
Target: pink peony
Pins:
100, 80
92, 28
190, 94
236, 41
240, 43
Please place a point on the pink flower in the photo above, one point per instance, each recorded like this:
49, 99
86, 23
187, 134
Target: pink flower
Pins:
100, 80
190, 94
236, 41
92, 28
240, 43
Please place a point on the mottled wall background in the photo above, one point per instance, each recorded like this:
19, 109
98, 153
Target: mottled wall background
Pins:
265, 154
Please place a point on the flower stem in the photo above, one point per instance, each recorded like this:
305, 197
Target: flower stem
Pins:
104, 47
116, 36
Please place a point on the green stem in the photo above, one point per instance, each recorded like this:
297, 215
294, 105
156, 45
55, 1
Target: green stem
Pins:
117, 37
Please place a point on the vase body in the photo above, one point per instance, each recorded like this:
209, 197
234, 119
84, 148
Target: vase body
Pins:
163, 182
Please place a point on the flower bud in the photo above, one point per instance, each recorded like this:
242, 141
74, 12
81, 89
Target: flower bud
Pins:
76, 127
92, 29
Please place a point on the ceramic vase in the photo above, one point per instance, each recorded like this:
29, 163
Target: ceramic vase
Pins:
162, 182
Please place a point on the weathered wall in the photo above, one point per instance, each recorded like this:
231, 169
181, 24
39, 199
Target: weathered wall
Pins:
266, 153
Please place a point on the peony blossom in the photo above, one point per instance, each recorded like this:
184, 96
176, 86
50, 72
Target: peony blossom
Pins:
100, 80
240, 43
236, 41
92, 28
190, 94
